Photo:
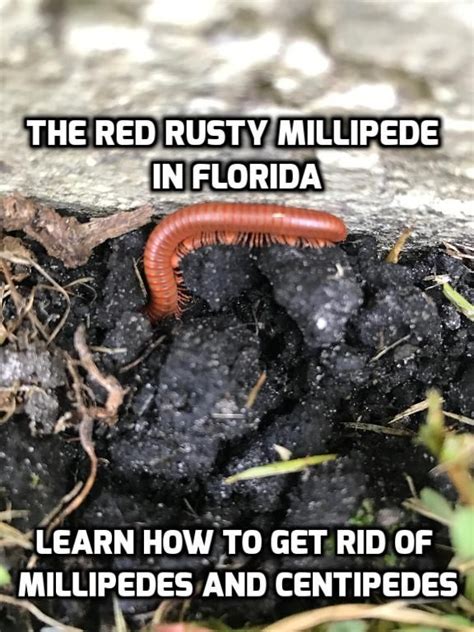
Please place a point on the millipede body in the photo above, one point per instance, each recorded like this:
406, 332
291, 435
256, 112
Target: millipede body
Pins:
192, 227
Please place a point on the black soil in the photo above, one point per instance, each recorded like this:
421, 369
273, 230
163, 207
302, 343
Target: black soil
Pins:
315, 322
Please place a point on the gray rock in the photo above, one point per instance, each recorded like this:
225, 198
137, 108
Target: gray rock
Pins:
43, 411
33, 367
158, 58
316, 287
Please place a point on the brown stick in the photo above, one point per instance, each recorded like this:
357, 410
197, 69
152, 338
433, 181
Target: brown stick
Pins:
66, 238
113, 387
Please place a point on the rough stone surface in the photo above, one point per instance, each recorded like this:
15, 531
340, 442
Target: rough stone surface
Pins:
317, 288
38, 367
34, 469
187, 412
269, 57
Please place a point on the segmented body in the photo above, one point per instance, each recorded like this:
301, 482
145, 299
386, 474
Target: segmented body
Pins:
192, 227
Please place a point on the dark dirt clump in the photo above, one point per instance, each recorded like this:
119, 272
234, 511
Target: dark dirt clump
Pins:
316, 323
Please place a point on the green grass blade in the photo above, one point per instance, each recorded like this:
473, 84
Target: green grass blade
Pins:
461, 303
5, 579
279, 467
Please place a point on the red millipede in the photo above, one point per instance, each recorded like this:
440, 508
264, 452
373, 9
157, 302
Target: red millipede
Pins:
192, 227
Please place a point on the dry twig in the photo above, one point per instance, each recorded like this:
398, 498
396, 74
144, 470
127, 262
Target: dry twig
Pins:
255, 390
66, 238
131, 365
394, 254
36, 612
26, 308
396, 611
116, 393
87, 415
